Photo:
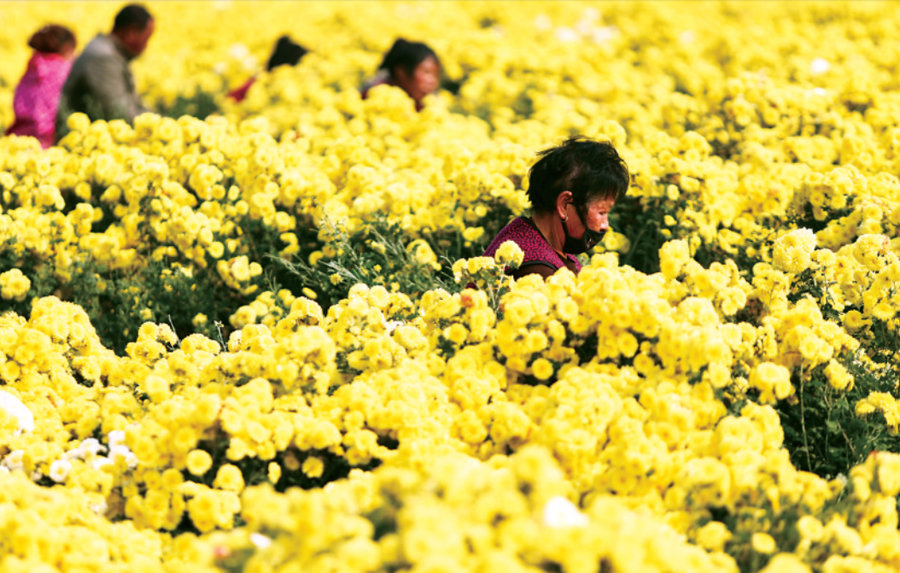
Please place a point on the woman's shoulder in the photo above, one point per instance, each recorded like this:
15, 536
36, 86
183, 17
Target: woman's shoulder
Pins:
381, 78
520, 230
46, 64
517, 225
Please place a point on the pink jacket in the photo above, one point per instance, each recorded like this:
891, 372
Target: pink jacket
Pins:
37, 97
238, 94
537, 250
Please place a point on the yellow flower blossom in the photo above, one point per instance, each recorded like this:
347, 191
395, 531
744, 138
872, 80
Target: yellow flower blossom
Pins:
763, 543
313, 467
198, 462
229, 478
14, 285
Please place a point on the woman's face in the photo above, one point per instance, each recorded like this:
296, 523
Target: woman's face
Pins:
596, 216
584, 227
424, 80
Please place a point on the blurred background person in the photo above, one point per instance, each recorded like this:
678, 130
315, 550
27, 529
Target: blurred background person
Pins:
36, 98
100, 83
572, 188
411, 66
285, 52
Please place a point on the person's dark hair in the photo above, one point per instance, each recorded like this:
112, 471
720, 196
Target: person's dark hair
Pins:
132, 16
52, 39
407, 55
286, 51
589, 169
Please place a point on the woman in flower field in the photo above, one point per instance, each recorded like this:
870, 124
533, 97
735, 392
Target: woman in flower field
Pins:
285, 52
411, 66
37, 95
572, 189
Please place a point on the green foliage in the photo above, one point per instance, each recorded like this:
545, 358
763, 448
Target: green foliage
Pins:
641, 220
783, 515
379, 253
200, 105
119, 302
39, 272
821, 428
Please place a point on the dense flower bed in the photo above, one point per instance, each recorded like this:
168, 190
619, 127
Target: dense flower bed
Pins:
244, 340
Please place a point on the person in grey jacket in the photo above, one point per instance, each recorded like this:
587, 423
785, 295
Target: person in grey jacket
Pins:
100, 83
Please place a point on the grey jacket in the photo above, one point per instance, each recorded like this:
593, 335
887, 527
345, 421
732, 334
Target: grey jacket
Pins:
100, 83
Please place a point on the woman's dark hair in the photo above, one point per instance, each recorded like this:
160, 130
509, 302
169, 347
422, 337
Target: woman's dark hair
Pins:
52, 39
589, 169
407, 55
286, 51
132, 16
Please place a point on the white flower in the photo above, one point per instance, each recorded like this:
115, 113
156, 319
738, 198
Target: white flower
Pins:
100, 463
819, 66
260, 540
560, 512
604, 34
13, 460
584, 27
119, 451
16, 409
238, 51
91, 446
115, 438
59, 470
566, 34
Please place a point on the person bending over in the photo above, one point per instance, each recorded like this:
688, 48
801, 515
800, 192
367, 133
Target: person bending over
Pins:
285, 53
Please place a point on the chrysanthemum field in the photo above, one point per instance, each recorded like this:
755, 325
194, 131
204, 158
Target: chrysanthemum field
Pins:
238, 336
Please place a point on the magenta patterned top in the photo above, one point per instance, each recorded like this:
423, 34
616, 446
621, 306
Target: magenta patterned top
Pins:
536, 248
37, 97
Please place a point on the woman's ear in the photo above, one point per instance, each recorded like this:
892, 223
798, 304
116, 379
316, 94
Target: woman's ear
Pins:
562, 204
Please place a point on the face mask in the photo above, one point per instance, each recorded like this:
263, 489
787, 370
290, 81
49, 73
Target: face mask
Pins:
585, 243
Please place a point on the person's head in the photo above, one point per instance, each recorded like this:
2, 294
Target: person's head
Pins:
285, 52
414, 67
578, 181
53, 39
133, 27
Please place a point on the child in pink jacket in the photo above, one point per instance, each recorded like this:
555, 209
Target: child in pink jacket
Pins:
37, 95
